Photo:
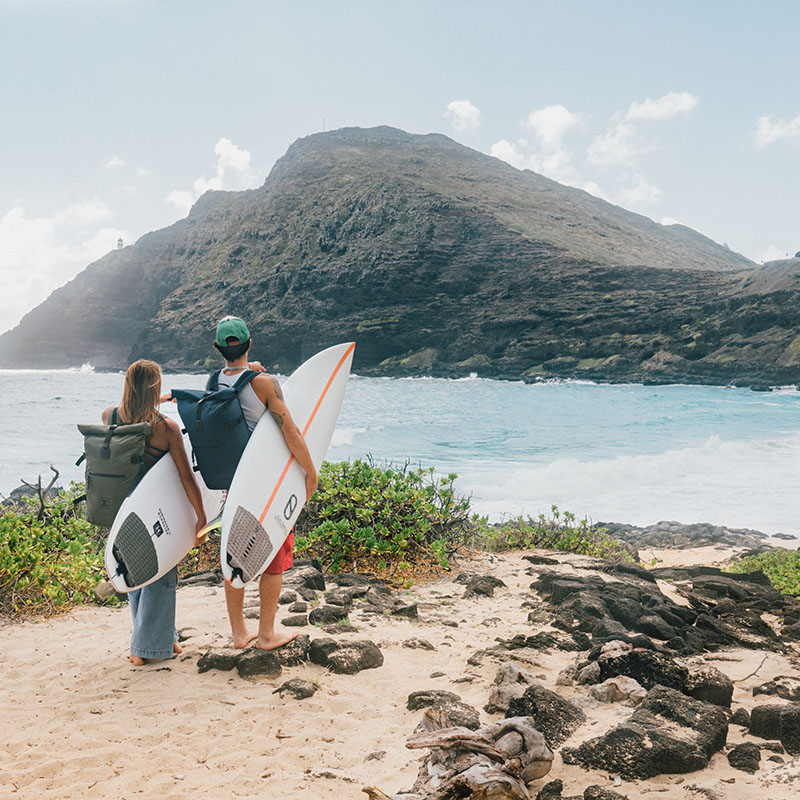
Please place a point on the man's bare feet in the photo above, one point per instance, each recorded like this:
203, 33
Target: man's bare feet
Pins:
278, 639
176, 648
136, 660
240, 642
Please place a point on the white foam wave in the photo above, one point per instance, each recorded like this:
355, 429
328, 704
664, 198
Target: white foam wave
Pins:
741, 484
344, 436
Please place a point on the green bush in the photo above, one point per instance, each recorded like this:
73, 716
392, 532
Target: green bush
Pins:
50, 558
558, 531
782, 567
365, 515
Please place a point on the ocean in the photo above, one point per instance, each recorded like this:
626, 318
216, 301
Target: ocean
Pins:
623, 453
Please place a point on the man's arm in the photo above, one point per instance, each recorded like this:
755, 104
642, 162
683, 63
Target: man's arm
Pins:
268, 390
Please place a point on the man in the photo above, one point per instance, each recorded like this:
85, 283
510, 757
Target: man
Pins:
262, 394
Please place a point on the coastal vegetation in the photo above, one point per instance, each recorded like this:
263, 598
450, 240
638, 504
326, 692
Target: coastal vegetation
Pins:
399, 521
782, 567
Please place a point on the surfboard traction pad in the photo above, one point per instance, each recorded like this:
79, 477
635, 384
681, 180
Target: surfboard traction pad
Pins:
134, 550
249, 547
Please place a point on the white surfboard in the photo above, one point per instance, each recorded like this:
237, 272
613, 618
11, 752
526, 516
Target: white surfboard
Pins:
269, 489
154, 527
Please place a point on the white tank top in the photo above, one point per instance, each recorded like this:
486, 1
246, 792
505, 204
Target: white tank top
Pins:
252, 407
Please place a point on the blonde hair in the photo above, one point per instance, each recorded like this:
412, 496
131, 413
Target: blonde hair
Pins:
141, 393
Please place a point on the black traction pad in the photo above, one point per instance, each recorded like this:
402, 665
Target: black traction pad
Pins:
134, 548
249, 545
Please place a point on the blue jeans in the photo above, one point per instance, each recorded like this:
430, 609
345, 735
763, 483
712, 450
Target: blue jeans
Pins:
153, 609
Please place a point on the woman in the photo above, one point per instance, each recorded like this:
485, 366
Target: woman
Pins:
153, 606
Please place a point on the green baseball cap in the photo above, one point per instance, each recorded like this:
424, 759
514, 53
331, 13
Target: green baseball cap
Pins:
231, 328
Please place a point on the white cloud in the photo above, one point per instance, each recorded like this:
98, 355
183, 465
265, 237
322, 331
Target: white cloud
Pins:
113, 162
38, 254
463, 115
142, 172
640, 193
670, 105
669, 221
233, 173
551, 123
508, 152
772, 253
768, 131
615, 146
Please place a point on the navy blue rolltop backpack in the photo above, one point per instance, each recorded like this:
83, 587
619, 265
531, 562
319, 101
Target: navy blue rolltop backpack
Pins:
216, 426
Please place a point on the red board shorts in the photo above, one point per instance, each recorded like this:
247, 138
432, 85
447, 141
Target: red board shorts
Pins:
283, 558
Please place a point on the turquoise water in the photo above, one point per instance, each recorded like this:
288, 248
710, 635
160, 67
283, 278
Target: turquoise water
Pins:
627, 453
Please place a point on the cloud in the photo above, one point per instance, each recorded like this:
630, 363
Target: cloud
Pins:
38, 254
670, 105
114, 162
641, 193
463, 115
551, 123
772, 253
768, 132
615, 146
508, 152
233, 173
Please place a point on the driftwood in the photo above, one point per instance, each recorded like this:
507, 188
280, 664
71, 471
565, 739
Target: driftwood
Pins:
493, 763
42, 493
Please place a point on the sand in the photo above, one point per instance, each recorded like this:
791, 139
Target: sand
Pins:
79, 721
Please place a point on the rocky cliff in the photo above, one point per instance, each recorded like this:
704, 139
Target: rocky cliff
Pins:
437, 260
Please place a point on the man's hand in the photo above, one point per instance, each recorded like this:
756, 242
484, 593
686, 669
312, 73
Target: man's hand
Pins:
165, 398
200, 538
312, 481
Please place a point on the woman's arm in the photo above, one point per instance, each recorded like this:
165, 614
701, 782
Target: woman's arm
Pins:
178, 453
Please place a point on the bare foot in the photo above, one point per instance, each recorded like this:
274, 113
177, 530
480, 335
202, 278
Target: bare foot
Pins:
136, 660
242, 642
278, 639
176, 648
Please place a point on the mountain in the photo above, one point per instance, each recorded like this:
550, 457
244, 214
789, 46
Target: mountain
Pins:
435, 259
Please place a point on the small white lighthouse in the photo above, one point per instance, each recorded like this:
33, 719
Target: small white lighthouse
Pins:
119, 243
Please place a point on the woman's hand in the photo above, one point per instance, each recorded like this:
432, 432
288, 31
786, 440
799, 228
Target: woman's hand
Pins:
257, 366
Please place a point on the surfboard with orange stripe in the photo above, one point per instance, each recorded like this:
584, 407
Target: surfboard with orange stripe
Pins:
268, 489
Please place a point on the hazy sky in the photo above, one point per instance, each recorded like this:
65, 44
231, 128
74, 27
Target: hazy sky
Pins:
117, 114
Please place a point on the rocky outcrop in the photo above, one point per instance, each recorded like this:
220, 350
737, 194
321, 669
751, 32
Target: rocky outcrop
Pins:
437, 260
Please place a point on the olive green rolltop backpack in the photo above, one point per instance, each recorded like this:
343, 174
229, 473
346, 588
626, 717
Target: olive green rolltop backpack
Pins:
114, 465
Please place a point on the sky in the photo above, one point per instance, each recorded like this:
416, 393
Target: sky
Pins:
118, 114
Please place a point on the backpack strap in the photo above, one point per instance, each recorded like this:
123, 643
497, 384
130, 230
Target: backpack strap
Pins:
244, 380
212, 384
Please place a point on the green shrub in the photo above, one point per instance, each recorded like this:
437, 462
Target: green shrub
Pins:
381, 517
558, 531
50, 558
782, 567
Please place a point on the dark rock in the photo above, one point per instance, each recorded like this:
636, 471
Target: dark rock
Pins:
259, 662
324, 615
551, 791
338, 597
351, 579
745, 757
599, 793
209, 578
655, 626
320, 649
406, 610
305, 576
298, 688
340, 627
300, 607
345, 658
293, 653
287, 597
668, 732
707, 683
418, 644
543, 560
776, 759
429, 697
784, 686
765, 721
646, 666
224, 660
483, 585
295, 621
553, 716
741, 717
310, 595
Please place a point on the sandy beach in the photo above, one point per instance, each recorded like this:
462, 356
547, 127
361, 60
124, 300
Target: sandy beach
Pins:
81, 722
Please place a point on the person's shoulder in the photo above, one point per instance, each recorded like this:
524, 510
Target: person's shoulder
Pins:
264, 379
106, 415
169, 425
